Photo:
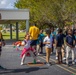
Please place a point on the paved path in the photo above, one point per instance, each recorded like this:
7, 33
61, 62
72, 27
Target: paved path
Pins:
10, 64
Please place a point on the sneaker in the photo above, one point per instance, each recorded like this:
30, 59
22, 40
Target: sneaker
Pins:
41, 52
56, 58
64, 58
38, 54
47, 64
75, 60
22, 63
73, 63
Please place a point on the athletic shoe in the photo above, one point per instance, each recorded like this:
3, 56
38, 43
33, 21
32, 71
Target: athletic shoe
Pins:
48, 64
22, 63
73, 63
75, 60
64, 58
56, 58
41, 52
38, 54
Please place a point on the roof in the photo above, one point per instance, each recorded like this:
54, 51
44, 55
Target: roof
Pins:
13, 15
1, 9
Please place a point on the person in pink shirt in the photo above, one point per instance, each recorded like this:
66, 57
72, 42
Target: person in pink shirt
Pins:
27, 50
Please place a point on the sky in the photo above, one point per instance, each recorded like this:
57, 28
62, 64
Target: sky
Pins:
7, 4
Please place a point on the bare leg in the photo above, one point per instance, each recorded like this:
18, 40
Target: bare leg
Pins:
22, 60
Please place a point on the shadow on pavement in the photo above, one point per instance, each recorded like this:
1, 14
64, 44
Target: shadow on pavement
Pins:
27, 70
2, 68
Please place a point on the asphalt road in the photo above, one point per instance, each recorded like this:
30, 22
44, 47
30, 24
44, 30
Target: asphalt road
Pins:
10, 64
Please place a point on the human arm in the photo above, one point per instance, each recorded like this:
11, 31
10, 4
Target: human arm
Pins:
23, 43
56, 41
68, 43
3, 41
46, 42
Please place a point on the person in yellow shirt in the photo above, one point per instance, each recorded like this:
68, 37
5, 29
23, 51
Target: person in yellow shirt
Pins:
34, 33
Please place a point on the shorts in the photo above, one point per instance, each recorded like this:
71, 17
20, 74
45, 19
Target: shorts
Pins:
33, 42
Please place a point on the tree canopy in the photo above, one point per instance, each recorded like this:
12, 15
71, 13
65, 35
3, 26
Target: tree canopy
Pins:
49, 12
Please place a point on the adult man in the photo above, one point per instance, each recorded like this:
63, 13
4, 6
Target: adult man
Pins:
34, 32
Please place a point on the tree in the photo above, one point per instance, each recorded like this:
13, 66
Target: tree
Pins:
22, 26
51, 12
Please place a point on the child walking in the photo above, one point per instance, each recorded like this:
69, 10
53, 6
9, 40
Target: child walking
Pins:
27, 49
48, 46
59, 43
70, 42
40, 43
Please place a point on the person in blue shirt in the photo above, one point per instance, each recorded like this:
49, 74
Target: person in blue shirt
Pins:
59, 43
70, 42
75, 35
75, 44
53, 34
40, 42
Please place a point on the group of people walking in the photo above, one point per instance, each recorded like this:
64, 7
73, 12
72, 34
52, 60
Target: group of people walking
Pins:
35, 40
64, 44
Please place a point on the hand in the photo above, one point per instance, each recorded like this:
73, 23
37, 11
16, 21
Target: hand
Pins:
62, 46
54, 45
0, 43
73, 46
48, 42
3, 43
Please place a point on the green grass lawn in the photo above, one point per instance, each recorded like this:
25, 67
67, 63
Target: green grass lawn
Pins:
6, 35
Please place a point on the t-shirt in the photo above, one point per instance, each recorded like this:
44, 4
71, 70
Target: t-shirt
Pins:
34, 32
53, 34
48, 39
40, 38
53, 37
70, 39
27, 43
60, 40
